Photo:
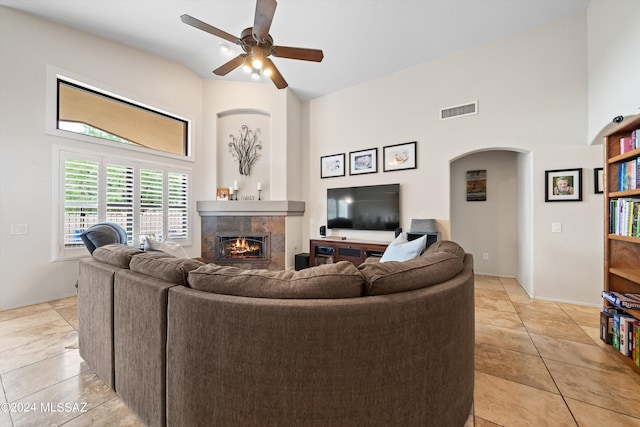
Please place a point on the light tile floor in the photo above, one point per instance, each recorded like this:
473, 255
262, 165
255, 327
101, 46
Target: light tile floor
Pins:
538, 363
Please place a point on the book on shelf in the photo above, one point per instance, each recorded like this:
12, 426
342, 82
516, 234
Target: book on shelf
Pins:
628, 177
626, 145
628, 301
626, 335
615, 331
623, 335
630, 143
606, 326
637, 327
634, 342
624, 217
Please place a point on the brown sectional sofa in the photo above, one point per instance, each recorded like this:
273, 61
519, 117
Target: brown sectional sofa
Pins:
193, 344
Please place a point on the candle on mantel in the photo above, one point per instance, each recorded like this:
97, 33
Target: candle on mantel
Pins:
259, 186
231, 191
235, 185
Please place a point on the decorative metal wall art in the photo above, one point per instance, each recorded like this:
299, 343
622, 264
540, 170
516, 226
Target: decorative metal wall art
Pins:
245, 149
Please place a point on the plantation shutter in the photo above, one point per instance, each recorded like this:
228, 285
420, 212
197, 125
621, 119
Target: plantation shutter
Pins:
81, 200
178, 205
120, 203
151, 203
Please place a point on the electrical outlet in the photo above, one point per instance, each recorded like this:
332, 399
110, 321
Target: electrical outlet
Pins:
485, 255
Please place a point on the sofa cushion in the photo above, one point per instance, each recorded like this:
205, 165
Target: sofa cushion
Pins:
446, 246
421, 272
402, 249
164, 267
339, 280
116, 254
171, 248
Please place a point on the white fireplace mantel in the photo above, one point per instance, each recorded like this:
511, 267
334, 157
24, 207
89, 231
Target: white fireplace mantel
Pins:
250, 208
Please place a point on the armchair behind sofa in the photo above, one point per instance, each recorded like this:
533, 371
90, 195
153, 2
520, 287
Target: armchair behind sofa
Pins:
103, 233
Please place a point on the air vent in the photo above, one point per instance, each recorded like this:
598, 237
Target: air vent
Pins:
459, 111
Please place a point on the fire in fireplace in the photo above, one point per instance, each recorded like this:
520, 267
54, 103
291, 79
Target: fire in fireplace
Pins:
233, 247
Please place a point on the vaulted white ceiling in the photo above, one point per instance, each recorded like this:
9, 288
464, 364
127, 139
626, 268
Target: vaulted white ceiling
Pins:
361, 39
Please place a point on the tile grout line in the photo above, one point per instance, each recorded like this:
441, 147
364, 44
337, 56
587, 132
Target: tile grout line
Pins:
544, 362
4, 393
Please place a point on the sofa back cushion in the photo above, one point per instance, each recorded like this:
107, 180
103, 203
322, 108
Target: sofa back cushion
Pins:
164, 267
426, 270
339, 280
116, 254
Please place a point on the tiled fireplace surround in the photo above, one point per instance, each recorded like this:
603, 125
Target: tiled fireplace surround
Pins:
244, 218
245, 226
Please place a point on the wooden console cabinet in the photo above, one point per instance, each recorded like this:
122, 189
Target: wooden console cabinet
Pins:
327, 251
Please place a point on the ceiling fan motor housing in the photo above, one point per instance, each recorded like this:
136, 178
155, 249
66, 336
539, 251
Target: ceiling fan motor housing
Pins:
247, 42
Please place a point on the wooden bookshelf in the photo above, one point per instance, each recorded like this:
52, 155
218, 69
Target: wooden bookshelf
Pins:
621, 253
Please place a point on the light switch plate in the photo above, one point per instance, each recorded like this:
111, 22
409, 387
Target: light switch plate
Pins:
17, 229
556, 227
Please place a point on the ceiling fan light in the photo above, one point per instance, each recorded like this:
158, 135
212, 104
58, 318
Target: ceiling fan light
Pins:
246, 67
257, 63
255, 74
267, 72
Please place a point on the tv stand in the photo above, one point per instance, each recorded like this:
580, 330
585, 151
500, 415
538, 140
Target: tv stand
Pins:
327, 251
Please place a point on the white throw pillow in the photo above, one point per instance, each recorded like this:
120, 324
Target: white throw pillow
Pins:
403, 250
171, 248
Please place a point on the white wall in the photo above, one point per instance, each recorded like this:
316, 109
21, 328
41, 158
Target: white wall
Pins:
532, 93
223, 96
568, 266
487, 227
526, 232
614, 41
28, 48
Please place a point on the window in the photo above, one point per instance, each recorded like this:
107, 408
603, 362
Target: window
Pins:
145, 199
89, 112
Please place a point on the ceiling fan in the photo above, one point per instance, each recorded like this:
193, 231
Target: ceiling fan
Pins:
258, 45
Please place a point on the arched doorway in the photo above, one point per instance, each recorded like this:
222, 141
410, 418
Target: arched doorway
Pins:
494, 230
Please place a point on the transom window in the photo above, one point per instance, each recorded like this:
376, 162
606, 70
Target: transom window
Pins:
86, 111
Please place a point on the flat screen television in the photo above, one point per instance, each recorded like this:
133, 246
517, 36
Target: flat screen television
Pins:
372, 207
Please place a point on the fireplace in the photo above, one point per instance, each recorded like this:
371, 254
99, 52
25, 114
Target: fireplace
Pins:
279, 220
234, 247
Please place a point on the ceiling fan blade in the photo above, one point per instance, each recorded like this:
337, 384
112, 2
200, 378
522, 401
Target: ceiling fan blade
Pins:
302, 53
225, 69
275, 76
190, 20
265, 10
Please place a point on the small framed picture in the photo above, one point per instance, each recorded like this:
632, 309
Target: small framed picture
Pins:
563, 185
332, 166
598, 180
477, 186
400, 157
363, 161
222, 194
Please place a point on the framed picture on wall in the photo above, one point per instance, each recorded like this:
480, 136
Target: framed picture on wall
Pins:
598, 180
332, 166
563, 185
363, 161
477, 186
400, 157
